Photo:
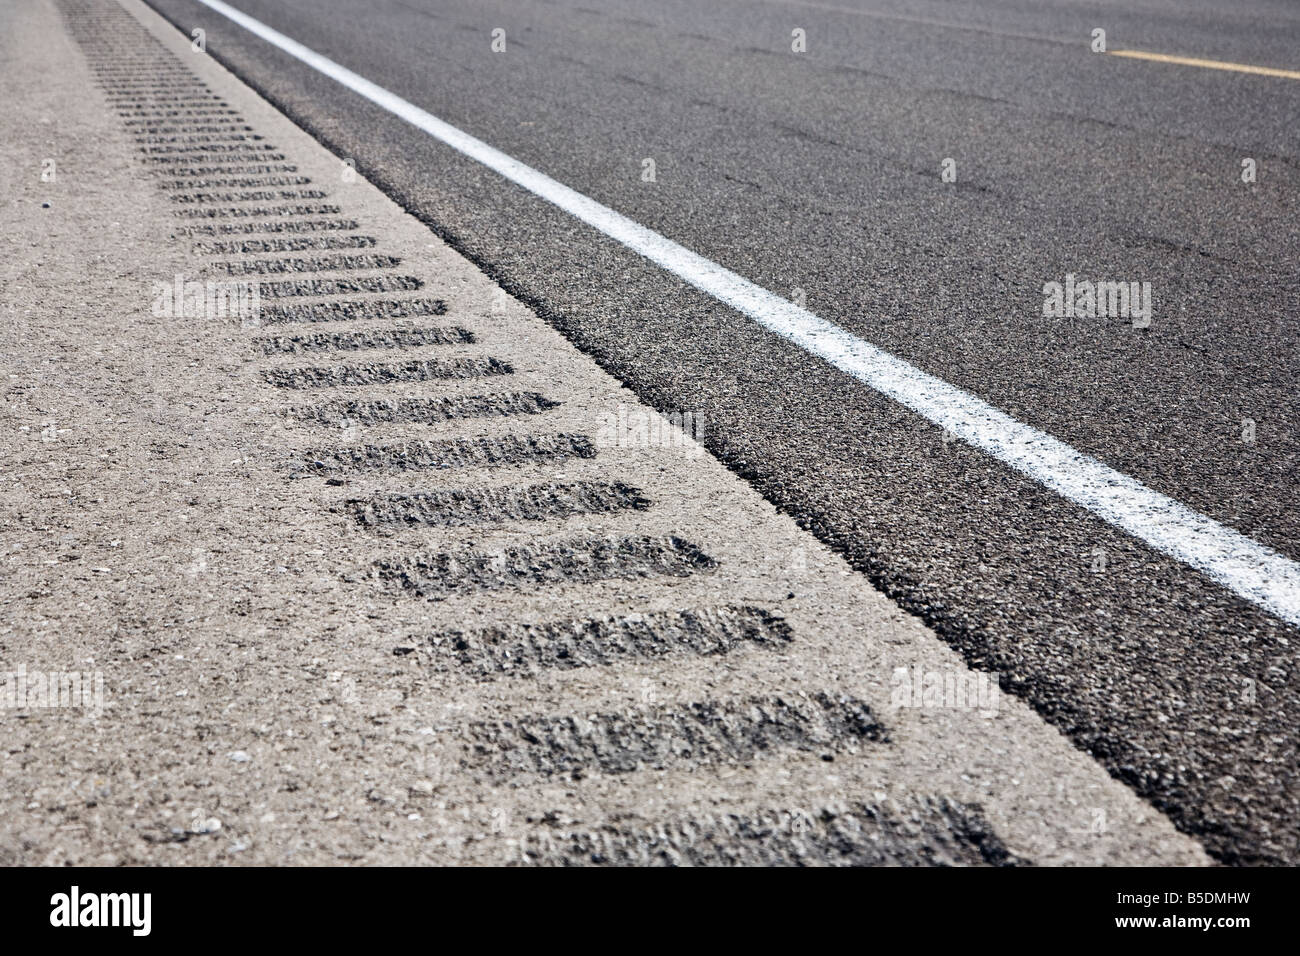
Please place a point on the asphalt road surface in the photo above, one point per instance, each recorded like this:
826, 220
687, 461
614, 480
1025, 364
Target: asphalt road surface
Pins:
819, 175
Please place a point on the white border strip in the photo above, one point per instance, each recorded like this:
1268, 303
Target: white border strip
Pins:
1246, 567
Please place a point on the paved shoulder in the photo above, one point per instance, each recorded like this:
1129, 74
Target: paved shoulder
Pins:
365, 562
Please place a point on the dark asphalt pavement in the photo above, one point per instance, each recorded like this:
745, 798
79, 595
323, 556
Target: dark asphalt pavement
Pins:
820, 171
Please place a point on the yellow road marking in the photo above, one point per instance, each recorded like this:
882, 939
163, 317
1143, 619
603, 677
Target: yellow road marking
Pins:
1208, 64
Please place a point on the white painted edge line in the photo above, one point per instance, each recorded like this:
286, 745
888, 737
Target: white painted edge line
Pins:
1254, 572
